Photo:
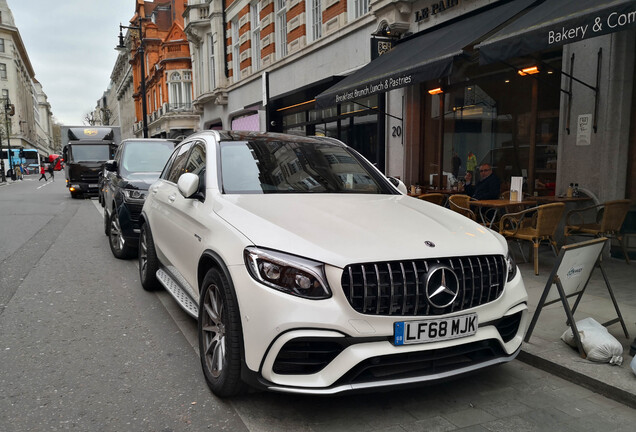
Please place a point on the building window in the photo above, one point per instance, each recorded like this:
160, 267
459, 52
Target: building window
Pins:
357, 8
180, 91
201, 59
281, 28
236, 51
3, 71
255, 15
1, 45
212, 74
5, 94
314, 19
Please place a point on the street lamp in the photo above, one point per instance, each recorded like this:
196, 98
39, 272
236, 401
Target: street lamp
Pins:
140, 50
9, 110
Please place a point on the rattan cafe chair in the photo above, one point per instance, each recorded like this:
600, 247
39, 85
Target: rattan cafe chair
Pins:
536, 224
460, 204
608, 220
435, 198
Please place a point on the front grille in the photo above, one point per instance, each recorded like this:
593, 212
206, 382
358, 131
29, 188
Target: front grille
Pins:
398, 288
89, 178
424, 363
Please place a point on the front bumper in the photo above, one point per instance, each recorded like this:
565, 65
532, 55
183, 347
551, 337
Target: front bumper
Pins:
325, 347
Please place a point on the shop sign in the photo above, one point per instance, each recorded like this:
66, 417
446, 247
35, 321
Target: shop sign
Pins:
596, 25
380, 46
434, 9
390, 83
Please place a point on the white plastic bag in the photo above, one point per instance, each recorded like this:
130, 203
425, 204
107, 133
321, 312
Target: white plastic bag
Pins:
598, 343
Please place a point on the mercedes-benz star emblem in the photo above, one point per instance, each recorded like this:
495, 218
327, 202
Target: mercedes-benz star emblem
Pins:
442, 286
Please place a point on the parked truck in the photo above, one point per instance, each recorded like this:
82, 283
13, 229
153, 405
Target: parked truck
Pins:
85, 150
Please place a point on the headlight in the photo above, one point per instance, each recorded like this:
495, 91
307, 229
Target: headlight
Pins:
134, 195
287, 273
512, 266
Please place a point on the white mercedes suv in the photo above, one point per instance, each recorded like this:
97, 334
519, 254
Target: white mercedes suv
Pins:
310, 272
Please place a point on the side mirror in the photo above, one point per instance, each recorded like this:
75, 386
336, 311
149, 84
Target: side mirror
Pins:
110, 165
399, 185
188, 184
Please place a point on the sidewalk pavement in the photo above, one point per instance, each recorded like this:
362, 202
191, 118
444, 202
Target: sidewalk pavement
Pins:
547, 351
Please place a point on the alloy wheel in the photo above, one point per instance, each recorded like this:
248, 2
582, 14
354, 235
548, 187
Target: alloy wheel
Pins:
116, 238
143, 254
213, 327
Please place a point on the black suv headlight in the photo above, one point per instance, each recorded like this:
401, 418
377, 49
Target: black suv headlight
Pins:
134, 195
288, 273
512, 267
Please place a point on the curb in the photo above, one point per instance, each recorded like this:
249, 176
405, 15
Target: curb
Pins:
600, 387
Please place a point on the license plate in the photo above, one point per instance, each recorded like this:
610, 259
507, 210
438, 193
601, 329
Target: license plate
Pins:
433, 330
93, 185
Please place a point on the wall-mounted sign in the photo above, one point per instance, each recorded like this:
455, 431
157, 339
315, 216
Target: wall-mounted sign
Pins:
380, 45
584, 130
434, 8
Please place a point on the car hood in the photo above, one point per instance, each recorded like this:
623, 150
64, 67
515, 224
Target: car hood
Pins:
141, 180
341, 229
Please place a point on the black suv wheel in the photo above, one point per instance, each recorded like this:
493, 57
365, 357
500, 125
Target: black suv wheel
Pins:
118, 244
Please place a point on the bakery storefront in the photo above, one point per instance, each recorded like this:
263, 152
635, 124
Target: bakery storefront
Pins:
539, 89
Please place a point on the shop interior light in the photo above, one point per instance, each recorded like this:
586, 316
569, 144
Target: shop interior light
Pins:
529, 71
297, 105
435, 91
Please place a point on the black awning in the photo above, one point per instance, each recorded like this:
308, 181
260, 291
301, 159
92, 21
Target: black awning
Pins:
552, 24
424, 57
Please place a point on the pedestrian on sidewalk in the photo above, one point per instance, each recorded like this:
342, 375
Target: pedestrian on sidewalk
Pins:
42, 173
51, 172
19, 171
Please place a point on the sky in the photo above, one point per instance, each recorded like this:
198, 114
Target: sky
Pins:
71, 46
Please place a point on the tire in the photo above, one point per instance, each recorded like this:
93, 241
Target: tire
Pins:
106, 222
118, 244
148, 261
75, 195
220, 336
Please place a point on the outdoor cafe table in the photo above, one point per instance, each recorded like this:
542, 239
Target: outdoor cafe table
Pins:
497, 205
553, 199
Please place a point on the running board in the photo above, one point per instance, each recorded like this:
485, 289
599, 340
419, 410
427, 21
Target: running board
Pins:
179, 294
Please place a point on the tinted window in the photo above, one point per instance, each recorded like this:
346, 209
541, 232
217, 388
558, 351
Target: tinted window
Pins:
90, 152
270, 166
178, 162
140, 156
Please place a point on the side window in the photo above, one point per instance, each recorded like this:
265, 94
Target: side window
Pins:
196, 163
177, 162
117, 156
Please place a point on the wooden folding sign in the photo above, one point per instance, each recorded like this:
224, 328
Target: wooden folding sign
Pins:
570, 276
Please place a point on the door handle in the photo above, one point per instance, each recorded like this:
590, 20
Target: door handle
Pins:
171, 198
154, 190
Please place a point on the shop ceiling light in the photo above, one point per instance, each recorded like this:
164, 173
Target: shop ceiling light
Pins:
529, 71
435, 91
297, 105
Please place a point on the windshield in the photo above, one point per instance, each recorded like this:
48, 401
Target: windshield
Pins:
90, 152
260, 166
145, 156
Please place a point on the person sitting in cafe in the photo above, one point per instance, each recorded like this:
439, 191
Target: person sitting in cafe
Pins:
468, 187
489, 186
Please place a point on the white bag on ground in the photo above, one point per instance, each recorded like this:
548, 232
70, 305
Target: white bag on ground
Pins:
598, 343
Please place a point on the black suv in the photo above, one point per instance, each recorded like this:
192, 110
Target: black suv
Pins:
126, 179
